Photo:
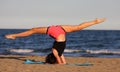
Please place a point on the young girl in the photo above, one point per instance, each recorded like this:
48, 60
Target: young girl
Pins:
57, 32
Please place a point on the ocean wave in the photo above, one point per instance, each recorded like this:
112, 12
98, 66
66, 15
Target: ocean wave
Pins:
21, 50
94, 51
71, 50
68, 51
102, 52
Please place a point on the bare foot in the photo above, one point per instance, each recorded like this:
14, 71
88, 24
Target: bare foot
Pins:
99, 20
11, 36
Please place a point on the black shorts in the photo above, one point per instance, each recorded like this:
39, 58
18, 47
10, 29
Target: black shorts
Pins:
59, 46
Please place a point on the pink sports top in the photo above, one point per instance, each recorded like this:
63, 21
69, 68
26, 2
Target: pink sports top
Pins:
55, 31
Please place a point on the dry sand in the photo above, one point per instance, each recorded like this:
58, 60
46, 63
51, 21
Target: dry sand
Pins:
15, 64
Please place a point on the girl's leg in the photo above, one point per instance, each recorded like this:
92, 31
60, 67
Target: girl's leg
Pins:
72, 28
41, 30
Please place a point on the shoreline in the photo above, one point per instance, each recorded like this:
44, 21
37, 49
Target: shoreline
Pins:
15, 63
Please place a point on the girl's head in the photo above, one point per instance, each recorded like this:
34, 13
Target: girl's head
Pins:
51, 59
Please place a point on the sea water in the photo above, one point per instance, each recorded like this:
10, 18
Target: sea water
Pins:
84, 43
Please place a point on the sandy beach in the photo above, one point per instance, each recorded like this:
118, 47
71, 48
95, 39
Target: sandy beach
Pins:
12, 63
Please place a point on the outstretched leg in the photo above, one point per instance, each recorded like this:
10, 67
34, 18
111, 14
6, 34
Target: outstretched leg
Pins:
40, 30
72, 28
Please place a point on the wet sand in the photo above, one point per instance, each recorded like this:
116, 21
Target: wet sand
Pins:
13, 63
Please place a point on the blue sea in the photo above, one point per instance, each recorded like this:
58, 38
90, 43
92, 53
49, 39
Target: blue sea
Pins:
84, 43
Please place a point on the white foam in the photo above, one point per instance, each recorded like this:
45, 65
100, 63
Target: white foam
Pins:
102, 51
21, 50
71, 50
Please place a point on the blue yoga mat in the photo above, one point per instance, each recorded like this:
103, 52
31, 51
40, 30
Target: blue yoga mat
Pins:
28, 61
32, 62
82, 64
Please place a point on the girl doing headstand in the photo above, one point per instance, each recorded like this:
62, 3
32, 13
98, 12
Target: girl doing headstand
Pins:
57, 32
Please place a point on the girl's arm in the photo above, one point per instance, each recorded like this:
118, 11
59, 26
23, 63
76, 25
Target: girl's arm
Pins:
58, 58
63, 59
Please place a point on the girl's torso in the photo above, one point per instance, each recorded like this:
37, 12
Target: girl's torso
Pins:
57, 32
